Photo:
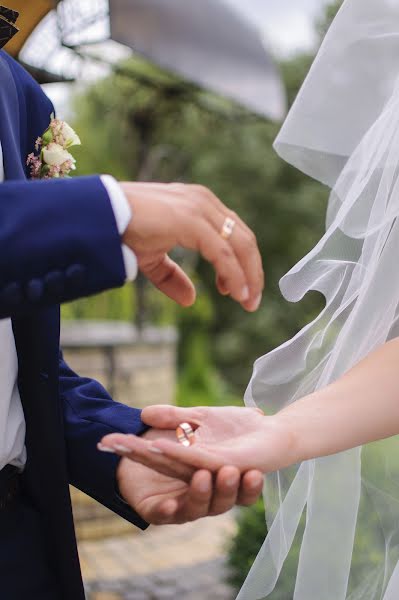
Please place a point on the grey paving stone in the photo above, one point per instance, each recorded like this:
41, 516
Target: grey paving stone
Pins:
165, 594
203, 581
166, 577
111, 586
137, 595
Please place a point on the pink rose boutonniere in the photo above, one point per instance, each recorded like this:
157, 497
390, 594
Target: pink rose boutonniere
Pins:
52, 158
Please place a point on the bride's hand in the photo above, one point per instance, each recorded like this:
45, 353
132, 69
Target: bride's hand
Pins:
242, 437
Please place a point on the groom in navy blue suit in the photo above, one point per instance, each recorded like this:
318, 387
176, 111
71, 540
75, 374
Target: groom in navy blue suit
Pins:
59, 241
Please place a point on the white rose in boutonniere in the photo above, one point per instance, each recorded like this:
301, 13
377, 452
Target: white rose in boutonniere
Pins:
55, 155
52, 158
70, 136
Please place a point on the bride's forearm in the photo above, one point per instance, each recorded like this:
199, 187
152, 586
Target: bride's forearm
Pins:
361, 407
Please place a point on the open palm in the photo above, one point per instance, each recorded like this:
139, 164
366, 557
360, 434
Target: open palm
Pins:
241, 437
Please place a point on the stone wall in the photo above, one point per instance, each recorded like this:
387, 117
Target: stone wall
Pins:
138, 369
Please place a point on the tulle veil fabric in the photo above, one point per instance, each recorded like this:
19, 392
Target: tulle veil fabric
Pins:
334, 522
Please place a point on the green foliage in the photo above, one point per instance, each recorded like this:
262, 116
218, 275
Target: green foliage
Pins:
286, 212
118, 305
200, 383
246, 544
169, 131
329, 15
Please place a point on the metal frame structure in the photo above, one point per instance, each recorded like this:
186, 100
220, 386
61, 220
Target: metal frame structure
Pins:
66, 40
75, 17
51, 36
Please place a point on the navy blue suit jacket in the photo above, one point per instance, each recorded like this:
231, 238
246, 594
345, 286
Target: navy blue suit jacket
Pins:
58, 241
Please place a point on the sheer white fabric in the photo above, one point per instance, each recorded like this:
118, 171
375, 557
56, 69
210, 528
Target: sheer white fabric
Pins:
337, 518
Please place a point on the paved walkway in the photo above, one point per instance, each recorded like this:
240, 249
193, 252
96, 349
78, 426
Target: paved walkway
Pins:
170, 562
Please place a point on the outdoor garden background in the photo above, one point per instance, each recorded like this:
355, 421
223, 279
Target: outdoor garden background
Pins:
143, 124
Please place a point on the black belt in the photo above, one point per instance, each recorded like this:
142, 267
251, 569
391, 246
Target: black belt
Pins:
9, 485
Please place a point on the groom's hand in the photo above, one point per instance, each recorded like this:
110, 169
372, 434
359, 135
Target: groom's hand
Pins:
170, 215
160, 499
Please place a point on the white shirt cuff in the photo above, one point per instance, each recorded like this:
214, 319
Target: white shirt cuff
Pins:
123, 215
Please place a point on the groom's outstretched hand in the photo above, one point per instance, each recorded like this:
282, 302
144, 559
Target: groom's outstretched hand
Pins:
191, 216
161, 499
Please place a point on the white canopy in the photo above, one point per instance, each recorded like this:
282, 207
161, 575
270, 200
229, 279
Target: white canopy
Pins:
207, 42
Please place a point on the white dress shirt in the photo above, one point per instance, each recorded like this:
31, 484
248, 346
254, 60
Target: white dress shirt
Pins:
12, 421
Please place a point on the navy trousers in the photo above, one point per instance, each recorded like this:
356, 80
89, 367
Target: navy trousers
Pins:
25, 573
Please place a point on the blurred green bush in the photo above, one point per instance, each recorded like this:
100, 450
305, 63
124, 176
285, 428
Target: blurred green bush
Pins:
154, 126
246, 544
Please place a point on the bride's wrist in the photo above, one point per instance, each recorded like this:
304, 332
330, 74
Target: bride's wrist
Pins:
287, 443
307, 432
294, 442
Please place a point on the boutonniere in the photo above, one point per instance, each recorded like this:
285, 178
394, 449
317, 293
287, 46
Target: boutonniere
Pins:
52, 158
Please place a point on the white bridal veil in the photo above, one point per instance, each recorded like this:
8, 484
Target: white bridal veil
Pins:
334, 522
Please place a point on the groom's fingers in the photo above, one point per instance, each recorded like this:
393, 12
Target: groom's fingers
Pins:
158, 512
170, 279
244, 245
195, 505
201, 236
251, 488
226, 490
246, 248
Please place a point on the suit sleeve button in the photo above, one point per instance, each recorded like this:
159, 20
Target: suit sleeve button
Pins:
76, 275
34, 290
54, 283
11, 294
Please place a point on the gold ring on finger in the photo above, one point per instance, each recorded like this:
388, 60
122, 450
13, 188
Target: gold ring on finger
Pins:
228, 228
185, 434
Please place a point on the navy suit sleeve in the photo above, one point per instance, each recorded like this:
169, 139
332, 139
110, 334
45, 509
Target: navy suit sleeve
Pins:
89, 414
58, 241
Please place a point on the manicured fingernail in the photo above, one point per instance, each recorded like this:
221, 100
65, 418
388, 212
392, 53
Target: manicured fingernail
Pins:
103, 448
155, 450
257, 302
245, 294
120, 448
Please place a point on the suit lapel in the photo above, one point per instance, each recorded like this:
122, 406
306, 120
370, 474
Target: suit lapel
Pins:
10, 123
